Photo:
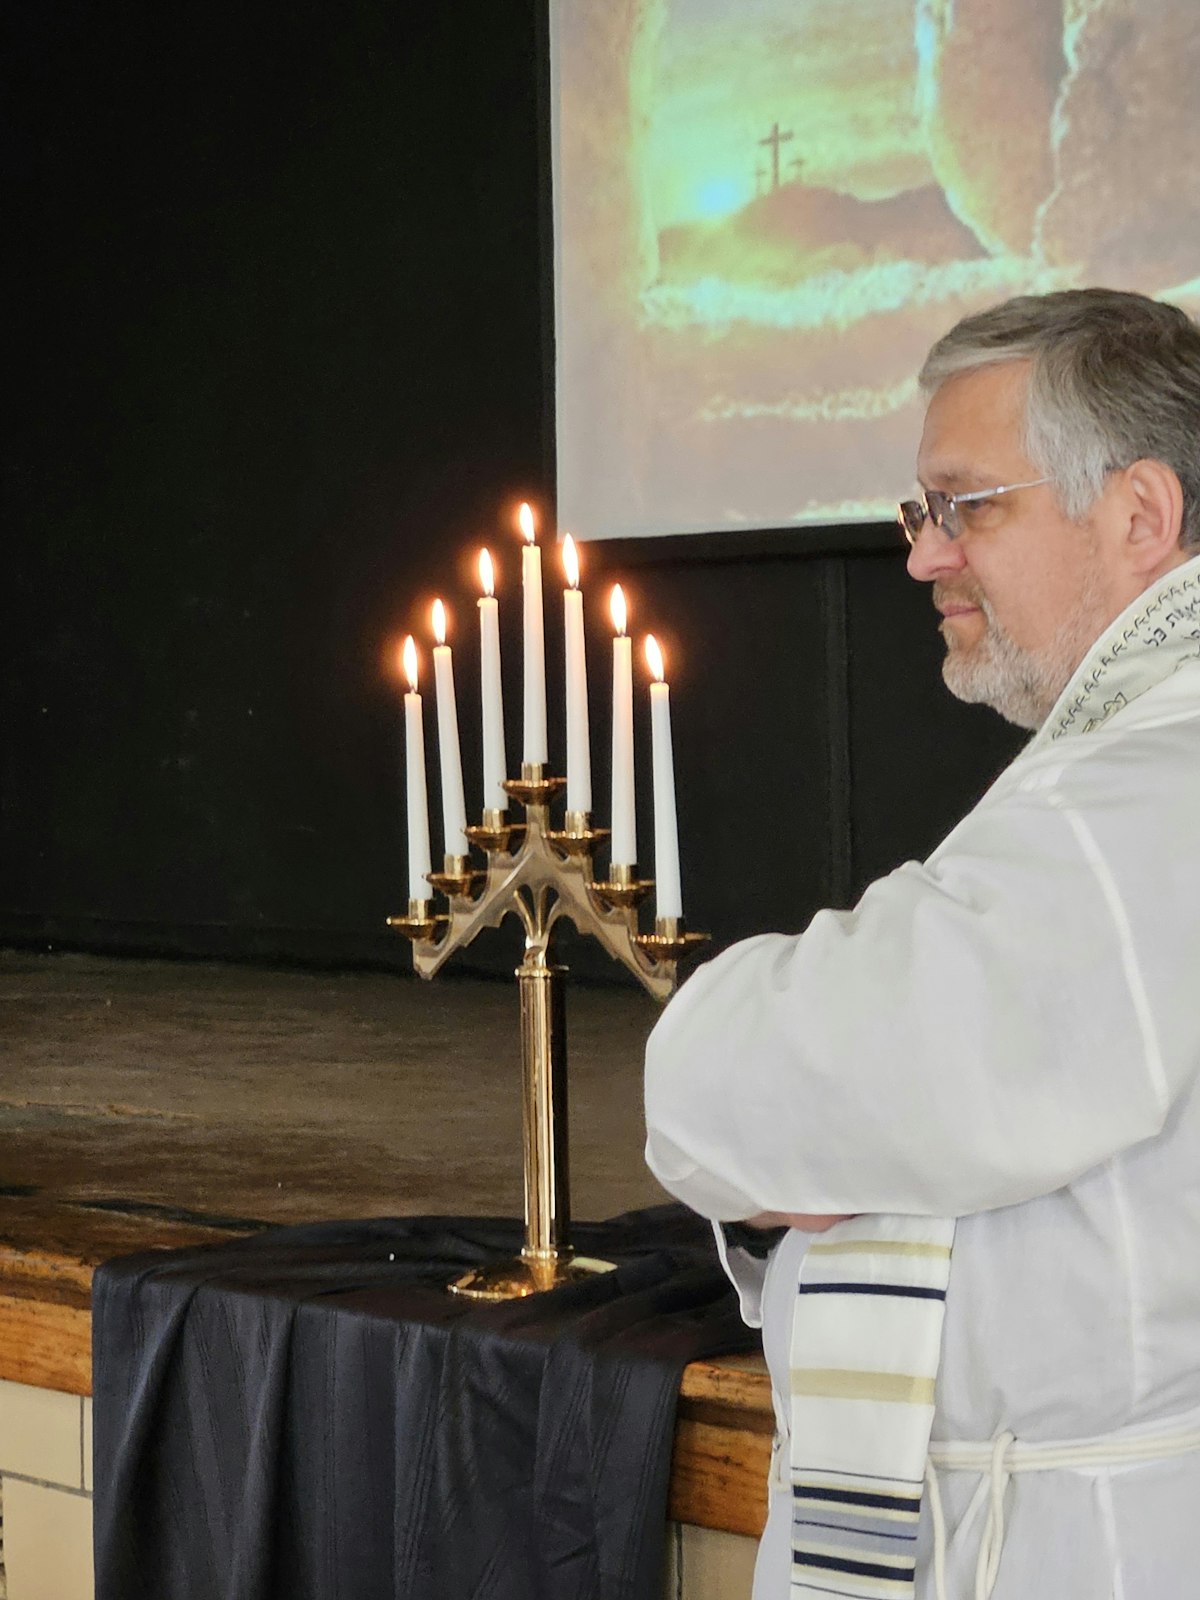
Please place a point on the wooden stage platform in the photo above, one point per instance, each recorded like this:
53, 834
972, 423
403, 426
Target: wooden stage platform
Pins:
149, 1104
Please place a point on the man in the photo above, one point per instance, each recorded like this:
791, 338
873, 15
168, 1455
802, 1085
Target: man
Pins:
1007, 1034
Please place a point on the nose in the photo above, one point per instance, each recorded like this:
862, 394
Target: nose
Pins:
932, 554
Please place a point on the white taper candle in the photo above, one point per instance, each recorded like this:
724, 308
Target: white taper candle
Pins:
418, 800
579, 746
624, 820
454, 805
668, 890
534, 748
491, 690
668, 893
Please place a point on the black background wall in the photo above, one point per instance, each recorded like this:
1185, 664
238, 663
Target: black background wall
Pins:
277, 368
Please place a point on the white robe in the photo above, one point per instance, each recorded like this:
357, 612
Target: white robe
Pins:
1008, 1033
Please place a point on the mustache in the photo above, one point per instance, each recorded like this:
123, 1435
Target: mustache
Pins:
966, 593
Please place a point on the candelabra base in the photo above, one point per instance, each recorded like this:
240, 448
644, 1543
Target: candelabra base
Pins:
532, 1272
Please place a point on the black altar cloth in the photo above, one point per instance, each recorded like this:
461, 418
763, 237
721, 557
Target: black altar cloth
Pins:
307, 1414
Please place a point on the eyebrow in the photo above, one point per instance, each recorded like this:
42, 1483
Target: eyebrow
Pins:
959, 480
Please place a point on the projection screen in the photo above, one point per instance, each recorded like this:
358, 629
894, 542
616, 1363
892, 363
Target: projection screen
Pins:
767, 210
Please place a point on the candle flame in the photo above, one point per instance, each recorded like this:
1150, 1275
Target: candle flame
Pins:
525, 518
616, 605
487, 575
571, 561
654, 657
408, 655
439, 622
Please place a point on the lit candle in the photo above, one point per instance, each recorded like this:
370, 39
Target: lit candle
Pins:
534, 750
454, 806
418, 804
668, 896
494, 763
624, 823
579, 747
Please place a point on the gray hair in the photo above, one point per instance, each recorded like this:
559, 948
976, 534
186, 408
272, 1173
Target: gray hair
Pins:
1115, 378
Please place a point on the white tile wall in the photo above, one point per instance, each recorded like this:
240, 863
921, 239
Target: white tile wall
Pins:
47, 1542
705, 1564
45, 1450
41, 1434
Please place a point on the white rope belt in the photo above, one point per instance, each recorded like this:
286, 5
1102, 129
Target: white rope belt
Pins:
999, 1458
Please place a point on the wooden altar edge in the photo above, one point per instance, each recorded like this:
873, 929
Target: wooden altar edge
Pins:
49, 1250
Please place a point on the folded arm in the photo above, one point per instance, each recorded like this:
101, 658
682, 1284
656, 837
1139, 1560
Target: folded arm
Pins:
975, 1033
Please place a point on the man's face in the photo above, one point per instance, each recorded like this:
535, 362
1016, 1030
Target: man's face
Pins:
1023, 592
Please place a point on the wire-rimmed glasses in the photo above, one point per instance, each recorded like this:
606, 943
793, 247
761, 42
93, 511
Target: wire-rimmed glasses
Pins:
942, 509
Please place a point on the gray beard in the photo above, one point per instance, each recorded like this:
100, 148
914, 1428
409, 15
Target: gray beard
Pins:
1022, 685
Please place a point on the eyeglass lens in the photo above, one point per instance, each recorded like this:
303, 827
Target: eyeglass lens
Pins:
935, 505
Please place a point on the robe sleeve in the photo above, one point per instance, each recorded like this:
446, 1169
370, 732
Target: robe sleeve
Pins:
976, 1032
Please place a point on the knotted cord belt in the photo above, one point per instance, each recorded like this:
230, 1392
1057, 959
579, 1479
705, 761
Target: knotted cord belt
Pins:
997, 1459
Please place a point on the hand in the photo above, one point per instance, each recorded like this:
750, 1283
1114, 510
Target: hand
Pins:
807, 1222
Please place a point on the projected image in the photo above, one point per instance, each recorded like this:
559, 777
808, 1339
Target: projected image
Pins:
766, 210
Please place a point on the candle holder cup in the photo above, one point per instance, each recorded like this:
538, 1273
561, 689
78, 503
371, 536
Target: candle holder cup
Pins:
457, 877
494, 832
420, 923
578, 837
548, 879
623, 889
534, 787
670, 940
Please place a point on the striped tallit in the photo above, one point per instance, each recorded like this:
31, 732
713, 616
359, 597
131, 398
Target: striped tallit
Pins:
866, 1342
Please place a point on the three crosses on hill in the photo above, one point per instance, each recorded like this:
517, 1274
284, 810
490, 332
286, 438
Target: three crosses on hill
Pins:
773, 140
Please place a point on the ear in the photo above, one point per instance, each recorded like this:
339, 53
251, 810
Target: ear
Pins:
1154, 502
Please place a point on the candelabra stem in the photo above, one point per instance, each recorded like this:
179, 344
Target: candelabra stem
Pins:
547, 1260
544, 1068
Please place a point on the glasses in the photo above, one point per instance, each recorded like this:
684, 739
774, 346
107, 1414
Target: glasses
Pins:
942, 509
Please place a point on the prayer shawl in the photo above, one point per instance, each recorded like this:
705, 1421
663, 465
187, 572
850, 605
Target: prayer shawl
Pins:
867, 1320
866, 1340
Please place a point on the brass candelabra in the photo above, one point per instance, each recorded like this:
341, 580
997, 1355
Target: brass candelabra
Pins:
542, 875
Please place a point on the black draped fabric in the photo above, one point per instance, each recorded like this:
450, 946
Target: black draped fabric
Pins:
307, 1414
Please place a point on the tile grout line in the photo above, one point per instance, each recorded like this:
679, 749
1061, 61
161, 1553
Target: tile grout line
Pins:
45, 1483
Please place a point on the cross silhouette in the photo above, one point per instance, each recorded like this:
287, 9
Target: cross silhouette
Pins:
760, 179
775, 139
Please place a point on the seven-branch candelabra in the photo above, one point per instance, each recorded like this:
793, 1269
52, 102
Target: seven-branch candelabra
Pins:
541, 875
